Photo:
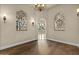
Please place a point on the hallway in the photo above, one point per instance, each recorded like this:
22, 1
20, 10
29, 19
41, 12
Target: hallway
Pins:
22, 24
42, 48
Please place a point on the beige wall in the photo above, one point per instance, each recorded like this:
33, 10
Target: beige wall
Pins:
71, 33
0, 25
8, 30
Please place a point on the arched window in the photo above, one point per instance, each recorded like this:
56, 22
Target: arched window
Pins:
21, 21
59, 24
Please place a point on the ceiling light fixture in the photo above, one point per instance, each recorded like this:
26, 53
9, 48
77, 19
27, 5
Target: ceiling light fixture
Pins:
39, 7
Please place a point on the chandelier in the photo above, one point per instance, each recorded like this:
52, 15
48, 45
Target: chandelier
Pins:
39, 7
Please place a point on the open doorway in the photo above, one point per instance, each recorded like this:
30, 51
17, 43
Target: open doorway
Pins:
42, 29
42, 42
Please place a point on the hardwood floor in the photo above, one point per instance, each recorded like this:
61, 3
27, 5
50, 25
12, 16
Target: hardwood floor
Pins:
42, 48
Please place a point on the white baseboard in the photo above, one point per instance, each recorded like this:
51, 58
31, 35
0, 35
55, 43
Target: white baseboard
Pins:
70, 43
12, 45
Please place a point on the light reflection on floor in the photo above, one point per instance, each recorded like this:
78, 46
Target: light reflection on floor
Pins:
42, 44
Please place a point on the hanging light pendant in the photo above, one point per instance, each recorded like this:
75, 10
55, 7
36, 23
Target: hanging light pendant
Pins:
39, 7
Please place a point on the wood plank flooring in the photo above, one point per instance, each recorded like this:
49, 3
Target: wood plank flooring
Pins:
42, 48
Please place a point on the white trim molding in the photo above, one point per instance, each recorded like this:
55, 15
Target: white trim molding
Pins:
66, 42
12, 45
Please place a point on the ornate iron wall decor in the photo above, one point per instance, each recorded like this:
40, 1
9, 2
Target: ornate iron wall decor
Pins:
59, 24
21, 21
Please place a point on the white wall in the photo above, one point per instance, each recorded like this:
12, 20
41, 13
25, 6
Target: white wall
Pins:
0, 25
9, 34
71, 33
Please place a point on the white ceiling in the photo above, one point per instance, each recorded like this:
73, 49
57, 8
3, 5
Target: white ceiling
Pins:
50, 5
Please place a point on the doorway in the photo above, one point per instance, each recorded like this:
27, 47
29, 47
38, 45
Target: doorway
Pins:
42, 40
41, 29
